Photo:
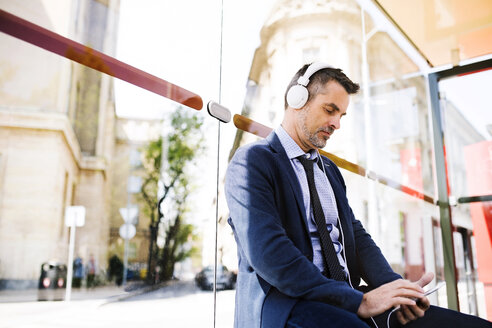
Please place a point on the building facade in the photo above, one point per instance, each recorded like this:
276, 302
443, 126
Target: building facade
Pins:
57, 140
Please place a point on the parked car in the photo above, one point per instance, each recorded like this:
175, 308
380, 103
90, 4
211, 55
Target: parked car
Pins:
225, 279
52, 281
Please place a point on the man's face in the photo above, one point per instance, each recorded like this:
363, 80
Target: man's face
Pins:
320, 117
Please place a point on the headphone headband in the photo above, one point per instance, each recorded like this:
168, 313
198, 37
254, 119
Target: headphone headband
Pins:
313, 68
298, 94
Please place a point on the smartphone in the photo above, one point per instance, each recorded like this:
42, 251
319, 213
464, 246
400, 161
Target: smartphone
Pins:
436, 287
430, 291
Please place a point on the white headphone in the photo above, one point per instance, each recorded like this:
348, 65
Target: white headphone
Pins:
298, 94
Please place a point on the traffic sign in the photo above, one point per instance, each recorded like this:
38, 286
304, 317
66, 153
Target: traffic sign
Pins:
129, 214
75, 216
134, 184
127, 231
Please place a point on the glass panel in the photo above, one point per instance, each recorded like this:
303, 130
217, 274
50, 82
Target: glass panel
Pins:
28, 83
73, 136
400, 133
467, 122
465, 103
386, 129
86, 21
404, 228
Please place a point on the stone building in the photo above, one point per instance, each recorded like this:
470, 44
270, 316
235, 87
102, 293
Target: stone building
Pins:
57, 122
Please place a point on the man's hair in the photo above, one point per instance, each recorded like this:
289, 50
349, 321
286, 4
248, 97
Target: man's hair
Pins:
319, 79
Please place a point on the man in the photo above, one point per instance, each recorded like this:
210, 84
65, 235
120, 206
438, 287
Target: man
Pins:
277, 189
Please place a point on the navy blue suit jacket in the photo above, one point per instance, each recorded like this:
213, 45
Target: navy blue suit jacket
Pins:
275, 254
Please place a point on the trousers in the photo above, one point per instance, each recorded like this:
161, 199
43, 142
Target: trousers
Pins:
311, 314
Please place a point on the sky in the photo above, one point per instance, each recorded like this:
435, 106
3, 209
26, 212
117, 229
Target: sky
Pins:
179, 41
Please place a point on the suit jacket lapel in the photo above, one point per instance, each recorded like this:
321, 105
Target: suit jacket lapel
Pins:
284, 165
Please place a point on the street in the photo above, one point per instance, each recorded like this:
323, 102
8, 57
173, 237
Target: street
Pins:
181, 304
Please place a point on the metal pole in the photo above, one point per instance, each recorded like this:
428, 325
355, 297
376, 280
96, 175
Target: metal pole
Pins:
127, 220
71, 247
127, 224
125, 257
443, 200
373, 219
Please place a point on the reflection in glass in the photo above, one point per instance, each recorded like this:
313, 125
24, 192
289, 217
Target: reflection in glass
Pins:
465, 103
465, 107
58, 120
61, 144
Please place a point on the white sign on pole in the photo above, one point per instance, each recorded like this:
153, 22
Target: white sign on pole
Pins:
75, 216
129, 214
134, 184
127, 231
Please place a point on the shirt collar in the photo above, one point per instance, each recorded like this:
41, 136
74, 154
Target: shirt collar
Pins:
291, 148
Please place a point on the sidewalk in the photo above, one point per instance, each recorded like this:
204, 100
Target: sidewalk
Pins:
178, 305
110, 293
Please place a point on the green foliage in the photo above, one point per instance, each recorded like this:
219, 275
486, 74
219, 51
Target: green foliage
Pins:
181, 147
152, 162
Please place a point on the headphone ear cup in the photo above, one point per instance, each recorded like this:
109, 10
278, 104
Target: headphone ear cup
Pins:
297, 96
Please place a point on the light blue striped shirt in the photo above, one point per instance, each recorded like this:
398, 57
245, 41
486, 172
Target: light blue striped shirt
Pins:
325, 193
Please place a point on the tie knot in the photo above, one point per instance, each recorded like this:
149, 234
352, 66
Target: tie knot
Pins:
307, 163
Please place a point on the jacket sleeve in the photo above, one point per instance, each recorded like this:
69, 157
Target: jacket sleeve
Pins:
250, 192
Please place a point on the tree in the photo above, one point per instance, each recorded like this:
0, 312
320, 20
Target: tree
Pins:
152, 165
181, 147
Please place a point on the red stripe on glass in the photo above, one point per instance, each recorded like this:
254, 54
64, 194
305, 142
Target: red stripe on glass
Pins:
48, 40
260, 130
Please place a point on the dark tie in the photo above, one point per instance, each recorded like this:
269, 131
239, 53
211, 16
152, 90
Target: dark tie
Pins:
332, 265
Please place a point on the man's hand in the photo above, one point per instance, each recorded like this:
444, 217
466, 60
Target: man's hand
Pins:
392, 294
408, 313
